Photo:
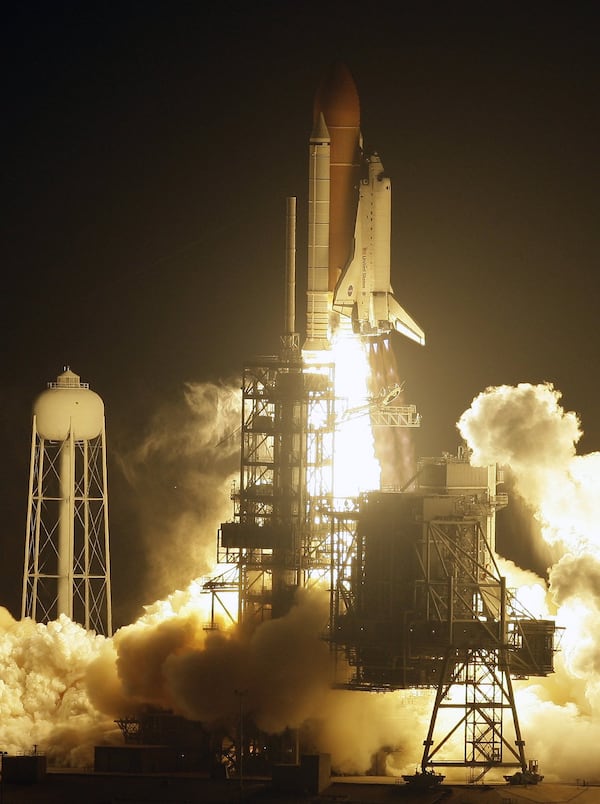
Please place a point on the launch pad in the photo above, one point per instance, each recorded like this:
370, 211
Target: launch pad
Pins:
416, 596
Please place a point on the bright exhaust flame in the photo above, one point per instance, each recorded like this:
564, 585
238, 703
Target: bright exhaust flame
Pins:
354, 463
356, 468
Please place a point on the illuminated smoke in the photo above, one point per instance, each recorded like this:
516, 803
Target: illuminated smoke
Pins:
181, 475
43, 694
354, 726
394, 446
526, 428
63, 687
282, 666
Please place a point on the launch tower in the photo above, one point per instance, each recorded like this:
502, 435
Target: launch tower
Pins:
67, 558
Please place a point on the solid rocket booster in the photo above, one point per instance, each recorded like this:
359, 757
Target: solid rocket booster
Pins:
317, 293
349, 224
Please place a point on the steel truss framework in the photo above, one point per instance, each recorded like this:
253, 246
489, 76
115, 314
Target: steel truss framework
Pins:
454, 628
487, 694
463, 590
280, 536
67, 554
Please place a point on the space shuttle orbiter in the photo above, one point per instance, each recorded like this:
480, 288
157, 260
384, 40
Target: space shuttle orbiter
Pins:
363, 291
349, 224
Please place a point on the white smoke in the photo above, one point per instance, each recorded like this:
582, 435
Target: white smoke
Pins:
283, 666
526, 428
62, 687
180, 475
43, 692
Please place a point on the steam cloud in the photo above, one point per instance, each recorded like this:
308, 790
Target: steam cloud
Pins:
62, 686
182, 472
43, 693
526, 428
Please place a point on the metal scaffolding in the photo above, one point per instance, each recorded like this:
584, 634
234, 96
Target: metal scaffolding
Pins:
420, 602
279, 536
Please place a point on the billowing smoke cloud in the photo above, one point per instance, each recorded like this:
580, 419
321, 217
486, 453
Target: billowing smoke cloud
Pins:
63, 687
43, 692
526, 428
170, 660
181, 475
283, 669
355, 726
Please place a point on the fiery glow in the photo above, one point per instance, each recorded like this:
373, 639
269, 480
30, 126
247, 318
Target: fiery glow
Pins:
63, 687
356, 468
525, 428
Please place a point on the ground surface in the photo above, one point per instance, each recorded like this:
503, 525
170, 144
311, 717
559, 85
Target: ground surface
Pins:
129, 789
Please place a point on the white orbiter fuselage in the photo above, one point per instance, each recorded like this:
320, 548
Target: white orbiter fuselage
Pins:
363, 291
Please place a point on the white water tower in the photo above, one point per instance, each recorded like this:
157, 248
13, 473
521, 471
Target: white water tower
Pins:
67, 556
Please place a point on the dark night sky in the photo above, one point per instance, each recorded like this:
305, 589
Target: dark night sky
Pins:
148, 149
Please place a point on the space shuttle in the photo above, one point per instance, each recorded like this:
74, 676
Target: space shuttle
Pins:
363, 292
349, 225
